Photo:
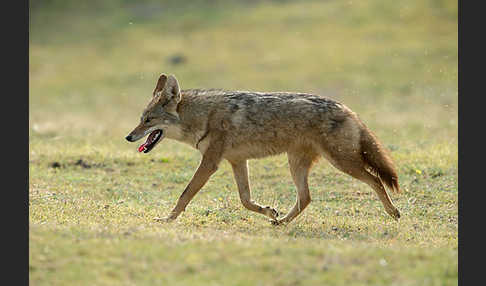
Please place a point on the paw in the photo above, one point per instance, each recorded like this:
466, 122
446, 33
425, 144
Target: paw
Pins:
271, 212
277, 222
395, 214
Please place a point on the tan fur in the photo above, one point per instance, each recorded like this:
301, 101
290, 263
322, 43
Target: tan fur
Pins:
242, 125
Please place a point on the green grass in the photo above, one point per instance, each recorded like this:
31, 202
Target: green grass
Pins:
92, 197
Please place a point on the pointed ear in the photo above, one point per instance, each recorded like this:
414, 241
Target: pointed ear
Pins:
172, 88
160, 84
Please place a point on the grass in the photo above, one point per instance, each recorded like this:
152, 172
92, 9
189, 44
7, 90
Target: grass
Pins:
92, 197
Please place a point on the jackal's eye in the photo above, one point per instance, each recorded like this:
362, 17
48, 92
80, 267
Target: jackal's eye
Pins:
147, 120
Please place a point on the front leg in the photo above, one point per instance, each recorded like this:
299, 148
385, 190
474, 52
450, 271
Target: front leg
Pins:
240, 170
208, 166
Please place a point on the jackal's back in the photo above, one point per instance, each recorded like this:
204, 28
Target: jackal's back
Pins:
261, 110
266, 123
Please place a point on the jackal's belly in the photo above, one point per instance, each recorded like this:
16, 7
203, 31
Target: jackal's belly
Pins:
253, 150
264, 144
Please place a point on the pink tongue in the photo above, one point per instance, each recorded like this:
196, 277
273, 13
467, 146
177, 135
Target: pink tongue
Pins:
142, 147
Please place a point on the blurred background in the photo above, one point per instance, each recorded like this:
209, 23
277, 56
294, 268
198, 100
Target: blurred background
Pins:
94, 64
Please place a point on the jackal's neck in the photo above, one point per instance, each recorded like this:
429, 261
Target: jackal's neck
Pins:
193, 114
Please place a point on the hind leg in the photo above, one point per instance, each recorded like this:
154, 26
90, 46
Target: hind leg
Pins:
355, 167
300, 163
377, 185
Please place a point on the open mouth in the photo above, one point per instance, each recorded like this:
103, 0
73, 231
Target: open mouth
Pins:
151, 141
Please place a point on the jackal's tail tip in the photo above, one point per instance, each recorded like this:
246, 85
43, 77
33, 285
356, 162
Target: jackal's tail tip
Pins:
379, 161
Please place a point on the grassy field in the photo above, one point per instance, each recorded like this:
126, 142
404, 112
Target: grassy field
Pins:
92, 196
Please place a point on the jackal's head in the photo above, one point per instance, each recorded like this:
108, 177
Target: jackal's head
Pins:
160, 115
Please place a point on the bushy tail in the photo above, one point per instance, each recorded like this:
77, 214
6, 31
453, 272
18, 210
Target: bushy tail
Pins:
378, 160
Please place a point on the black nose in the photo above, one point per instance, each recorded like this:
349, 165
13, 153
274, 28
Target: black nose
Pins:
129, 138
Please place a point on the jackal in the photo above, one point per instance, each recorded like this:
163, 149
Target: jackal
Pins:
242, 125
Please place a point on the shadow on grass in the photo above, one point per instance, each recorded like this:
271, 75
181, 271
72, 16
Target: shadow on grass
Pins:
296, 230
